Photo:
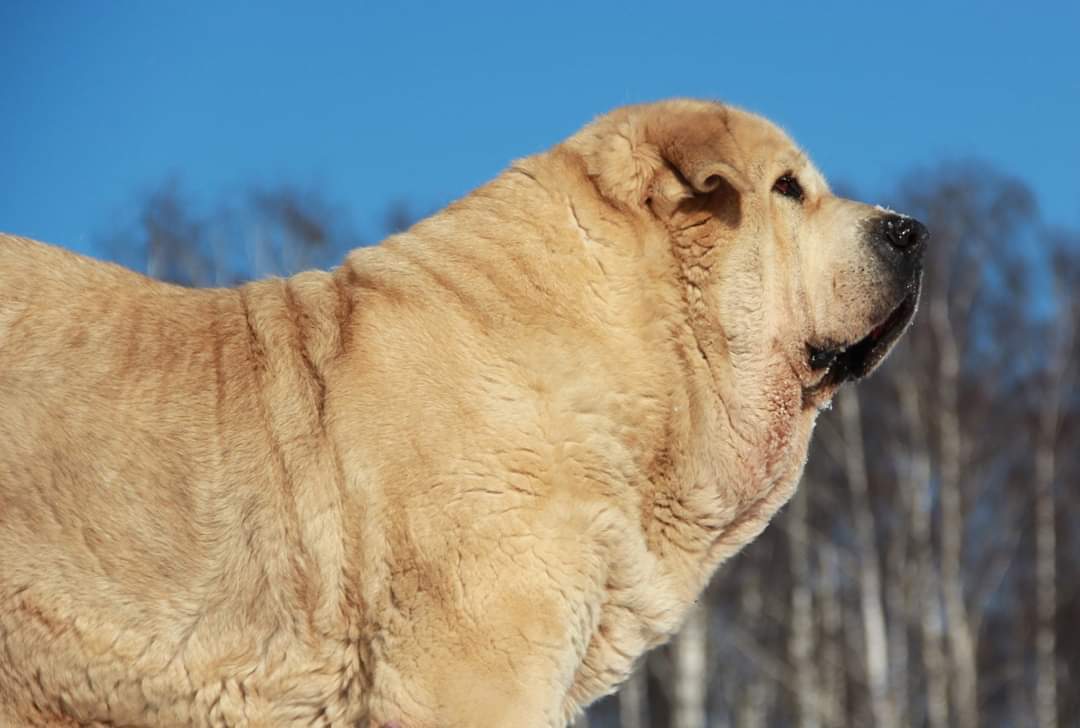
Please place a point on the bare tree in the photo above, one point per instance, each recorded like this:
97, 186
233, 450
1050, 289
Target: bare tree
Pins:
690, 681
801, 639
275, 231
1056, 390
928, 613
883, 708
633, 697
757, 690
960, 639
834, 653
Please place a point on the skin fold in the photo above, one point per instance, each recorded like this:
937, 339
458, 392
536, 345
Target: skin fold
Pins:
465, 479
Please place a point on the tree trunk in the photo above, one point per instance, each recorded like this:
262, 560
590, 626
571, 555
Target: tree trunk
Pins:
834, 650
898, 585
1045, 524
873, 613
756, 695
690, 681
632, 698
1046, 584
926, 583
801, 636
961, 642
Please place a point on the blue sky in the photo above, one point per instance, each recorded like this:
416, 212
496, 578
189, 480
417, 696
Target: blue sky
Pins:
101, 101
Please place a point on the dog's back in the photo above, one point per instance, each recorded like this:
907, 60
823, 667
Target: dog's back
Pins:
143, 523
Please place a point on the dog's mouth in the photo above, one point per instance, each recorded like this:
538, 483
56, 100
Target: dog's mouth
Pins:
854, 361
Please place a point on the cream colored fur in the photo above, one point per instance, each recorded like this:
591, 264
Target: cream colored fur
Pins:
466, 479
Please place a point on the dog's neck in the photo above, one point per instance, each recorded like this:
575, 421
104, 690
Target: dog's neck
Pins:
715, 454
745, 433
735, 407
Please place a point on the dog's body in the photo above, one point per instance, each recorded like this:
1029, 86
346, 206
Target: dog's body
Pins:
465, 479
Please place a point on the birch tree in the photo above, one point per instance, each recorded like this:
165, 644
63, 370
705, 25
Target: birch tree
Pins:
1056, 389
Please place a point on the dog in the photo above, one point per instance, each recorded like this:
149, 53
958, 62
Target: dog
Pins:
465, 479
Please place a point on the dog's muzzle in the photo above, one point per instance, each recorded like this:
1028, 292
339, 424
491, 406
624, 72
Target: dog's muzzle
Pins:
900, 241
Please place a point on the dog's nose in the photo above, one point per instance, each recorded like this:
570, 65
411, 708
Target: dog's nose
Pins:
903, 233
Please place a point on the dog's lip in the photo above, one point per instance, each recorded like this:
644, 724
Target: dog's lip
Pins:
875, 345
854, 361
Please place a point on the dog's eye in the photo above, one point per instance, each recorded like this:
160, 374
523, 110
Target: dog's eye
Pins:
788, 186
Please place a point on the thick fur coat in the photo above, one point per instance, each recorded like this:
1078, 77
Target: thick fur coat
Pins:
465, 479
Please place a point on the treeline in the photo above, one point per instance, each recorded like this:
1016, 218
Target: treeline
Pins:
924, 574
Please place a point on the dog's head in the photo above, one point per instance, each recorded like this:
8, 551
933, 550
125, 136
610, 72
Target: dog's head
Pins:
776, 265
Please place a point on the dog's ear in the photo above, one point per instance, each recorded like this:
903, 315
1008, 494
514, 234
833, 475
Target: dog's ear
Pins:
701, 149
665, 158
701, 176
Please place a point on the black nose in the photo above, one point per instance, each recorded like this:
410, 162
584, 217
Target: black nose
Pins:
903, 233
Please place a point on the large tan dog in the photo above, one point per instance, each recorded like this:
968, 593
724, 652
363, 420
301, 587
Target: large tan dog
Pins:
465, 479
